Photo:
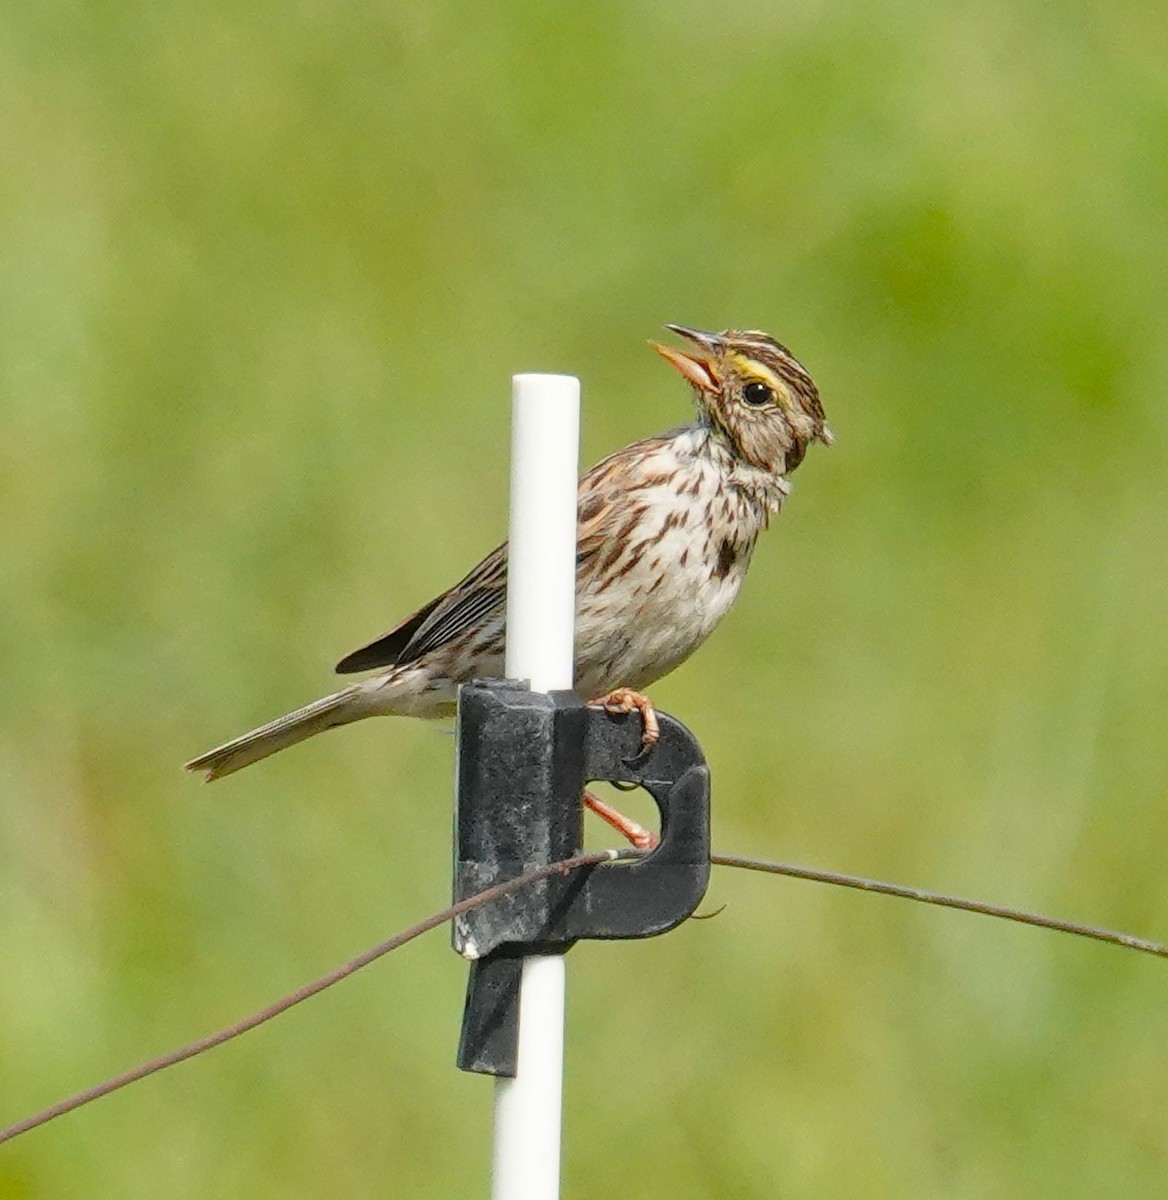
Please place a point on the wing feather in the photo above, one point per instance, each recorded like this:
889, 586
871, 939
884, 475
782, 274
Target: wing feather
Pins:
386, 650
482, 595
470, 603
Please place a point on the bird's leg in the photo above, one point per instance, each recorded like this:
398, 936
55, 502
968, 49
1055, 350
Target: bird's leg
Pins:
625, 700
642, 838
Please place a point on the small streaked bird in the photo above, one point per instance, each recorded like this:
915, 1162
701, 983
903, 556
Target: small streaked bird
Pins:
665, 534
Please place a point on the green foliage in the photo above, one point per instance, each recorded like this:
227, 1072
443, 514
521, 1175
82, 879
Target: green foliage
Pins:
264, 273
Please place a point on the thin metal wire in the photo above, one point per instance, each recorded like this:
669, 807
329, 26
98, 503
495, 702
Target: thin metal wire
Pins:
903, 892
309, 989
837, 879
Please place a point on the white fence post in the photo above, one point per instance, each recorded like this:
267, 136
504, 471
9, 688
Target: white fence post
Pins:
541, 608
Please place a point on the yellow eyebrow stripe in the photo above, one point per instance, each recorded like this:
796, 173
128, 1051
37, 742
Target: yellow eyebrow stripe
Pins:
762, 373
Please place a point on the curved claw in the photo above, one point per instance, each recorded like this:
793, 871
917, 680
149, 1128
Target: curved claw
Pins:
625, 700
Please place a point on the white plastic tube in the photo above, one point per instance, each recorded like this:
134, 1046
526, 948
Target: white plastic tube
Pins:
541, 606
541, 565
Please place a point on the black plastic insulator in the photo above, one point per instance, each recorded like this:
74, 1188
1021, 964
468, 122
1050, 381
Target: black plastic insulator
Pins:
523, 761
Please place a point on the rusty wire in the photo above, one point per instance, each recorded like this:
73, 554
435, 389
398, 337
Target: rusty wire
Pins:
835, 878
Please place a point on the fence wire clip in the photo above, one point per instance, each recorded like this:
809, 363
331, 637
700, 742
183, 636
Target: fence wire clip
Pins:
523, 760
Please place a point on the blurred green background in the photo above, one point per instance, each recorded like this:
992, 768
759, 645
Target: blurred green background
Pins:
265, 271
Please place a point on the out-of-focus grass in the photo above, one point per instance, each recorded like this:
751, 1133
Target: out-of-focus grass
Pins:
264, 272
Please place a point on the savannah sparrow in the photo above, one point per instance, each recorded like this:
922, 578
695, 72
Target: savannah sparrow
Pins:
666, 530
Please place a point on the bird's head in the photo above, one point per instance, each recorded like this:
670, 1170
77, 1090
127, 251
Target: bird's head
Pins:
754, 393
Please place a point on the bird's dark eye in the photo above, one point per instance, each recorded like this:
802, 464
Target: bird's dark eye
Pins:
756, 394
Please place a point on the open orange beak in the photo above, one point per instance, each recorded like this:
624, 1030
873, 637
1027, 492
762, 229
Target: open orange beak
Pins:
699, 370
